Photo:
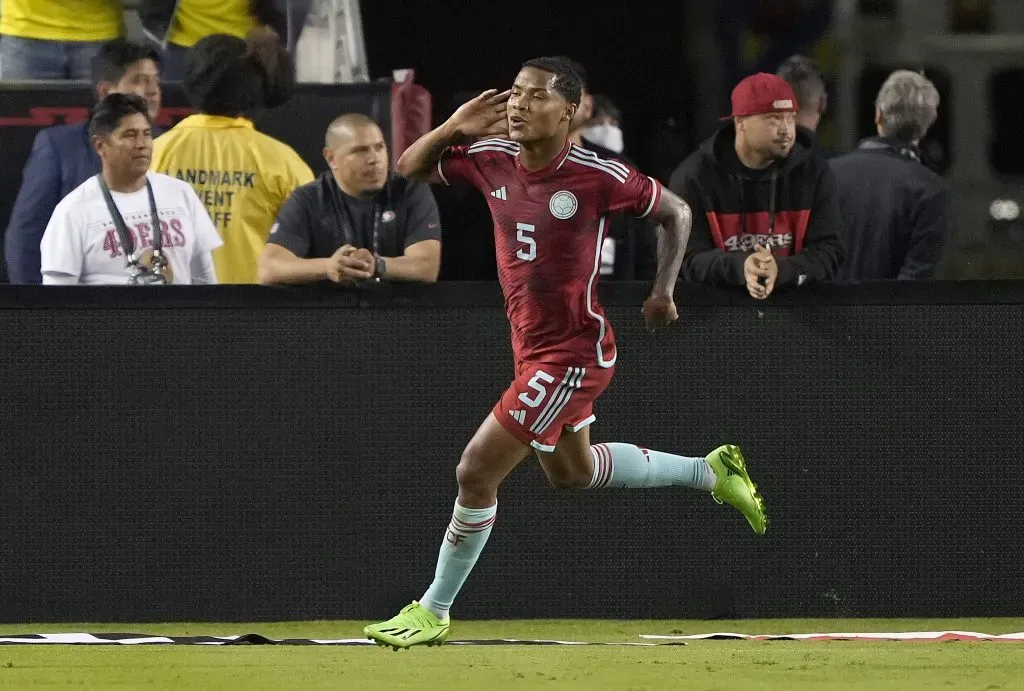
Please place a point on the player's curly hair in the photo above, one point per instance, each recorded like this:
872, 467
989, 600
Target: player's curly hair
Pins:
226, 75
568, 80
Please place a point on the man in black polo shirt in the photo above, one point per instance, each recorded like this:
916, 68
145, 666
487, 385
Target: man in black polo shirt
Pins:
357, 221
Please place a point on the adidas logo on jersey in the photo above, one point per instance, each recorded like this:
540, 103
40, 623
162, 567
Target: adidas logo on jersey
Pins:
500, 193
518, 415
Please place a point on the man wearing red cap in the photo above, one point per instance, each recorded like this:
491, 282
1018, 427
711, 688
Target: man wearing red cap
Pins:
765, 207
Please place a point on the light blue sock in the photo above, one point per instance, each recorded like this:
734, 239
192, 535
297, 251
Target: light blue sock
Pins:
626, 465
463, 541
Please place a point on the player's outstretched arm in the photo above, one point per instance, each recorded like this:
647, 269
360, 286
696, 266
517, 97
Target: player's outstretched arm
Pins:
674, 219
481, 116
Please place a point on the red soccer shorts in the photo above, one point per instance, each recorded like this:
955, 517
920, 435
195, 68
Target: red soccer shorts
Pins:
545, 398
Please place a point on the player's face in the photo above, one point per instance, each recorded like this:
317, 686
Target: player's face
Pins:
772, 134
535, 110
129, 148
360, 160
139, 79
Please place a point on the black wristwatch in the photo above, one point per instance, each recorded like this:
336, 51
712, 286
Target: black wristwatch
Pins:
379, 267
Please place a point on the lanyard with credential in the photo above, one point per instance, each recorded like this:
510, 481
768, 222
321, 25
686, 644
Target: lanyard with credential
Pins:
125, 236
355, 231
376, 230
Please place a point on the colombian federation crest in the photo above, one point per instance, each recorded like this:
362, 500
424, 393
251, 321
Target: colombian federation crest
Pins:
563, 204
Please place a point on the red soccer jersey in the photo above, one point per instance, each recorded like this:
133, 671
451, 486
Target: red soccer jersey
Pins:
548, 229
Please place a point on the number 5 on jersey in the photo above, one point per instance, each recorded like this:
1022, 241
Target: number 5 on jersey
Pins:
540, 391
529, 253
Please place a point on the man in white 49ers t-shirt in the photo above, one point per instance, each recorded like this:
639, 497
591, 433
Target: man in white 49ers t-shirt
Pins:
83, 244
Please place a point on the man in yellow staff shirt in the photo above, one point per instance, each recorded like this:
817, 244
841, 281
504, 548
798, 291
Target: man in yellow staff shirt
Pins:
242, 176
42, 39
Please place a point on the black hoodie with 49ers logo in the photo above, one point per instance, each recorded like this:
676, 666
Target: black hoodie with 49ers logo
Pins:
792, 207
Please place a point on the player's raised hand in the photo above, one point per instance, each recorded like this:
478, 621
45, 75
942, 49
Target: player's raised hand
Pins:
483, 115
659, 310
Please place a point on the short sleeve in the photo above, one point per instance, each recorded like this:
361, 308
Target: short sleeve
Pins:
207, 237
293, 173
293, 228
637, 195
298, 171
422, 219
61, 247
460, 164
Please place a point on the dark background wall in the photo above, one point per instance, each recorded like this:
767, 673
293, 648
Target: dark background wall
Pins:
245, 454
633, 53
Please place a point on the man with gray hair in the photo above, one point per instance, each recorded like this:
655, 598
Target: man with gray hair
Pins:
894, 209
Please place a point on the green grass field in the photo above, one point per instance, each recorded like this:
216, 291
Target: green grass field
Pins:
783, 665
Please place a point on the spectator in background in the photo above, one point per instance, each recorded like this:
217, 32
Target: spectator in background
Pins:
808, 84
126, 223
177, 25
356, 221
63, 156
894, 210
583, 117
628, 250
43, 39
241, 175
286, 17
605, 126
765, 211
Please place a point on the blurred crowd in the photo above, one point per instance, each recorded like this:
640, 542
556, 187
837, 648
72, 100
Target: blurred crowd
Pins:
116, 200
59, 40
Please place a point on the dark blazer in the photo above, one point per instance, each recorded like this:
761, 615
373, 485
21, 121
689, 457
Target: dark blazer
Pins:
62, 158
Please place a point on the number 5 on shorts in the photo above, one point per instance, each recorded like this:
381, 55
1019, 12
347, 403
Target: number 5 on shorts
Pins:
539, 389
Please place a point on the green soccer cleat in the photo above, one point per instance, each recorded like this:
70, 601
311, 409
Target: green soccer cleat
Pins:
734, 486
414, 625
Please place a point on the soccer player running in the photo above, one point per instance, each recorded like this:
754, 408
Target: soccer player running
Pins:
550, 200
